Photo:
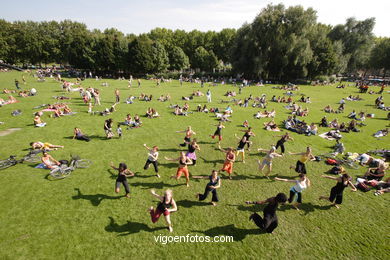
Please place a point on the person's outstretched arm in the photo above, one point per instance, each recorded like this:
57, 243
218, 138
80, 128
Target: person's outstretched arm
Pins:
285, 180
153, 192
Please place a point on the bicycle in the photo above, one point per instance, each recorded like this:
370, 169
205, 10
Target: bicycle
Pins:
64, 170
31, 157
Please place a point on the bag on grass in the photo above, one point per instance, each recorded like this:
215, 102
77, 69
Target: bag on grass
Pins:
363, 187
331, 161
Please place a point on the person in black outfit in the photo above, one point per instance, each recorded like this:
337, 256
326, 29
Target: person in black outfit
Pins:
284, 138
123, 172
247, 135
336, 193
108, 128
270, 220
212, 186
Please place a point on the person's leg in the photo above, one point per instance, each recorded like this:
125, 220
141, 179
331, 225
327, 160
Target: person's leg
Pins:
292, 195
272, 225
339, 200
127, 189
257, 219
215, 196
243, 156
147, 163
282, 148
187, 175
117, 185
205, 194
269, 169
84, 138
155, 165
155, 214
168, 220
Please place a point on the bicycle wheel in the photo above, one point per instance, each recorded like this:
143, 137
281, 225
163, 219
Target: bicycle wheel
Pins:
350, 164
83, 163
6, 164
60, 173
32, 158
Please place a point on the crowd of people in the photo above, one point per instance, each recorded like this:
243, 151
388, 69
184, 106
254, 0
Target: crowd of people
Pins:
236, 150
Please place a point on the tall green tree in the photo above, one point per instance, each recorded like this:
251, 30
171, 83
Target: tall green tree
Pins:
380, 55
357, 39
178, 60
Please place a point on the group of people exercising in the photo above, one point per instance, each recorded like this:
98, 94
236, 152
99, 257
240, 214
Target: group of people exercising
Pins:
269, 221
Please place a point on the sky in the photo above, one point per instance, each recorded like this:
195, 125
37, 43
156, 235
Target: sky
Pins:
137, 17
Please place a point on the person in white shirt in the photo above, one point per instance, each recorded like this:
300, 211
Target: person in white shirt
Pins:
152, 159
297, 189
208, 95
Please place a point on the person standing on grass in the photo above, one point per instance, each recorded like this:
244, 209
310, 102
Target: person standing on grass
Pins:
108, 128
17, 84
191, 153
184, 161
247, 135
208, 95
267, 161
270, 220
306, 156
187, 138
152, 159
166, 205
229, 160
139, 83
123, 173
218, 132
241, 147
117, 96
283, 138
297, 189
336, 193
212, 186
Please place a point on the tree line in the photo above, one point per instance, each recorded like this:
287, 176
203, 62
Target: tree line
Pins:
280, 43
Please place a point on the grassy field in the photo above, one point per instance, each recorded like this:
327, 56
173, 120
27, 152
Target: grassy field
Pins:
82, 217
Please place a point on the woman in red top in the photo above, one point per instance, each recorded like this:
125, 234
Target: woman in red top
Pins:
183, 168
229, 160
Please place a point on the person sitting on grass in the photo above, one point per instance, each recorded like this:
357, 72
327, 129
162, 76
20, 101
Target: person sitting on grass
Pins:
49, 162
376, 173
77, 134
271, 126
38, 121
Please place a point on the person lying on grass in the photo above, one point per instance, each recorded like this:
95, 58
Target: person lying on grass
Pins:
44, 146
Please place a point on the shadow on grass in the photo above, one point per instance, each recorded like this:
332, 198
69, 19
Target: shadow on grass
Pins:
95, 199
154, 185
250, 208
230, 230
169, 150
169, 165
191, 203
204, 142
309, 207
129, 228
214, 162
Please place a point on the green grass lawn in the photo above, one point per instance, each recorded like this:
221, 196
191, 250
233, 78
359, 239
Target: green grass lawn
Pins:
82, 217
